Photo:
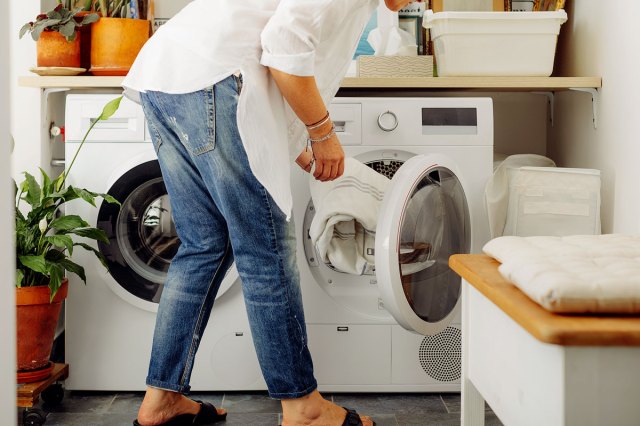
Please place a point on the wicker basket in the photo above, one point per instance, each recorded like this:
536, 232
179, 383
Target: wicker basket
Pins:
395, 66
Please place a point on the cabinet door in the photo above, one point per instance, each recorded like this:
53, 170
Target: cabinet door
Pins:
351, 354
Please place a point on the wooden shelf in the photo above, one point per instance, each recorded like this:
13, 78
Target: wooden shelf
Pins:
492, 83
443, 83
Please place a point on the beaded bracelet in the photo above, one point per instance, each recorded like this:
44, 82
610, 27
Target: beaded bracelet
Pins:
328, 136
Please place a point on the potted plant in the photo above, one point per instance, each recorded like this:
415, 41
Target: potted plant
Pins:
56, 35
116, 39
44, 245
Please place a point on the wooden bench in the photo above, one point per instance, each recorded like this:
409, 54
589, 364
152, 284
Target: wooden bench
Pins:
537, 368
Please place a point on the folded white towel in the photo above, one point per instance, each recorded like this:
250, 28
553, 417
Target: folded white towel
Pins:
346, 217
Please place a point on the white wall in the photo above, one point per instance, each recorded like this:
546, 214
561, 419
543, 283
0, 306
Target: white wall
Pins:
7, 292
29, 153
601, 39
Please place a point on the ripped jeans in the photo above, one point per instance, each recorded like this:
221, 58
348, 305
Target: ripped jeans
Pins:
222, 213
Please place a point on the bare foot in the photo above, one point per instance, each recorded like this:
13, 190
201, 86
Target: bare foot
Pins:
159, 406
314, 410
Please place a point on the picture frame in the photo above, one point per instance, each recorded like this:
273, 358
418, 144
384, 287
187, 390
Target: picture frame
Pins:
548, 5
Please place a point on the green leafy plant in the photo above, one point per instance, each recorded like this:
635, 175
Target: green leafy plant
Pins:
44, 242
61, 19
113, 8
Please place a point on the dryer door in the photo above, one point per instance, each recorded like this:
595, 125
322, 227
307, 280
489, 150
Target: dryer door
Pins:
424, 219
143, 238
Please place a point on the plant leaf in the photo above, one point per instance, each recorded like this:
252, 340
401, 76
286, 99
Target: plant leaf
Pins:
34, 192
92, 233
68, 30
90, 19
54, 14
19, 277
62, 241
55, 278
109, 199
40, 26
54, 255
35, 263
68, 223
99, 255
25, 28
57, 184
88, 196
110, 108
46, 183
75, 268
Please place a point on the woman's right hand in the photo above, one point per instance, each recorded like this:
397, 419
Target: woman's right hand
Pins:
329, 159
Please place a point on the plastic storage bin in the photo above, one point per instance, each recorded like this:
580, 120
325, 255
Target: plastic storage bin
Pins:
553, 201
494, 43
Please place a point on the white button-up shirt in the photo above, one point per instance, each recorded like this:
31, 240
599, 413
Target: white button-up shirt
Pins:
211, 39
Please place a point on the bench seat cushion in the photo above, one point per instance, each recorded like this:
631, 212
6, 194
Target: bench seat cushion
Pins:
573, 274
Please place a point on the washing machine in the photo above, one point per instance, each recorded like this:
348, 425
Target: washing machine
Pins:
110, 320
396, 328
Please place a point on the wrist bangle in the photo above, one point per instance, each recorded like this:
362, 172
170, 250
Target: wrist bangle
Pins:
318, 123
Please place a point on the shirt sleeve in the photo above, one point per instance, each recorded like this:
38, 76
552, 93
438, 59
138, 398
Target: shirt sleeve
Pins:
290, 38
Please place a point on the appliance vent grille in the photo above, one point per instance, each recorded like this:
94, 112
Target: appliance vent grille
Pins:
441, 354
386, 168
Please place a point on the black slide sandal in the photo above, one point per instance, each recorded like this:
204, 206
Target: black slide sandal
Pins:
207, 415
353, 418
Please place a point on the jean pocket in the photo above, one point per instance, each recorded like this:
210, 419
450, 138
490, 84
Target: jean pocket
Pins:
205, 140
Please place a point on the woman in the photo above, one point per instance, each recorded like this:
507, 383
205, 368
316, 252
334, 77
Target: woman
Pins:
232, 90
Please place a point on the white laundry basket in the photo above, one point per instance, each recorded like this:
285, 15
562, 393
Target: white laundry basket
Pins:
527, 195
553, 201
494, 43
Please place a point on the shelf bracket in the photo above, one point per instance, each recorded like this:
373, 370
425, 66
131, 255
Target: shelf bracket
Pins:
595, 101
45, 106
551, 97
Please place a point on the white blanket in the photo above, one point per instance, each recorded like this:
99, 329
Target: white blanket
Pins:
344, 225
575, 274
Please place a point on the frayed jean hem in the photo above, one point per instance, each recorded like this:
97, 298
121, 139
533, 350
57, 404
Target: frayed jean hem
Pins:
294, 395
171, 387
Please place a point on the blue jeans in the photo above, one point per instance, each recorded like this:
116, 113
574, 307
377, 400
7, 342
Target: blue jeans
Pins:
221, 213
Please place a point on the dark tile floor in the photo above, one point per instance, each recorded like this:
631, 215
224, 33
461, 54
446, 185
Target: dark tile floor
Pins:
249, 409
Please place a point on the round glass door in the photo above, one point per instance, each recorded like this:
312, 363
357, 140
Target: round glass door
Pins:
142, 236
425, 219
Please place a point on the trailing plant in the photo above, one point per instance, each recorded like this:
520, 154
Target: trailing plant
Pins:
61, 19
44, 239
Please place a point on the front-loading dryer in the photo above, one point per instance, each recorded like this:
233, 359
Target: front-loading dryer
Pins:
110, 320
397, 327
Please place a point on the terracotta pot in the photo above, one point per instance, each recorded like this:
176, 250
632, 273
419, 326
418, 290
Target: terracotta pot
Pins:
115, 43
36, 324
55, 51
85, 40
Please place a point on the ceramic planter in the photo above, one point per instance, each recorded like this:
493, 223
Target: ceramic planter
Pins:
36, 325
115, 43
55, 51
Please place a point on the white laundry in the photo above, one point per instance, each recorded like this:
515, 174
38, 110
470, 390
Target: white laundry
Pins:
573, 274
346, 217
